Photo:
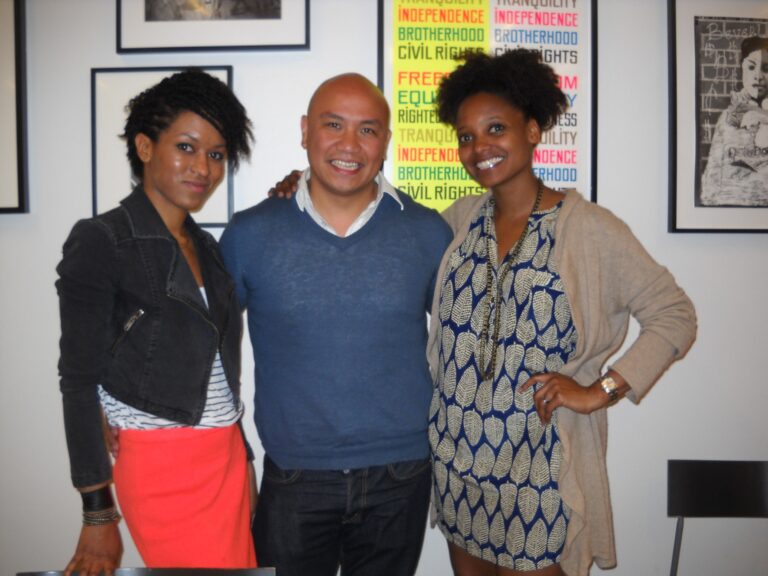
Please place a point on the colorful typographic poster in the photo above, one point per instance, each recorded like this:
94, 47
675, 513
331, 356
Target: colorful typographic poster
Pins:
421, 40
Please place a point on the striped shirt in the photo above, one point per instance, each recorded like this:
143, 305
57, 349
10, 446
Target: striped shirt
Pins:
221, 409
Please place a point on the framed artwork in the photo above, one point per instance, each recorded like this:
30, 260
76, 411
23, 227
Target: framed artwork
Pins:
111, 90
13, 109
718, 82
205, 25
418, 44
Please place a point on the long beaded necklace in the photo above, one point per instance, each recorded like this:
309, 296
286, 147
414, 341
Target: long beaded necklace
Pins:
489, 372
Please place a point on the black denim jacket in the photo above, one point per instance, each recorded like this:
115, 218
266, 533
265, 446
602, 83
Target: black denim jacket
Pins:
133, 320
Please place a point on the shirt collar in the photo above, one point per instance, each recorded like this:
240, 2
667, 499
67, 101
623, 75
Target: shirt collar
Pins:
303, 199
304, 202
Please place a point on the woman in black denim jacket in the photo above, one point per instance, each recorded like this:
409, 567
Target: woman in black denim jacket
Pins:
151, 334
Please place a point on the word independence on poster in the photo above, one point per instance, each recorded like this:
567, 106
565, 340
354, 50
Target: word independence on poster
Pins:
420, 44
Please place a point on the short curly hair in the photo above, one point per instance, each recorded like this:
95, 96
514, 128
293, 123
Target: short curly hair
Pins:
519, 76
191, 90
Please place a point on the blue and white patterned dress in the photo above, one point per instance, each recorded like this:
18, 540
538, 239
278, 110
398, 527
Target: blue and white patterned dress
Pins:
496, 465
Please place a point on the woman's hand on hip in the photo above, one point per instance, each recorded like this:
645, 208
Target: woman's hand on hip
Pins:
559, 390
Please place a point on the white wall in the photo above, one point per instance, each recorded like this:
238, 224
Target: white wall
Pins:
708, 406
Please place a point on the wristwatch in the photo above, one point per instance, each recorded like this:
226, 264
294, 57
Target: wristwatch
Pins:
610, 387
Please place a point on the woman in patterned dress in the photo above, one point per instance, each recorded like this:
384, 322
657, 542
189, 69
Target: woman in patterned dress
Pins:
534, 294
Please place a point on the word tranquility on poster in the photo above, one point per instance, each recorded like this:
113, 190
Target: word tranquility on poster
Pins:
423, 39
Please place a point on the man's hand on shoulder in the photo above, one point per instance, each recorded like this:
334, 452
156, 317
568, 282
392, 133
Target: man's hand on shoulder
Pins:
286, 187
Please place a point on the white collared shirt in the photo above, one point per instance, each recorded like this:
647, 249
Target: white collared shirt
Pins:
304, 202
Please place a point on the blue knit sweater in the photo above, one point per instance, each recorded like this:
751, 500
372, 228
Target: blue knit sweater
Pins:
338, 329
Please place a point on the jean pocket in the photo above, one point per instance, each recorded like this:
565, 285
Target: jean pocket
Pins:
407, 469
273, 473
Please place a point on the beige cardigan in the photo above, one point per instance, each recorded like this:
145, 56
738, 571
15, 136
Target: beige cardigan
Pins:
607, 276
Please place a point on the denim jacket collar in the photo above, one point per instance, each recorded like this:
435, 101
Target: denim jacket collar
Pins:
146, 223
145, 219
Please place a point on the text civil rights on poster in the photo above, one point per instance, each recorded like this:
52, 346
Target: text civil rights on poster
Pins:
419, 42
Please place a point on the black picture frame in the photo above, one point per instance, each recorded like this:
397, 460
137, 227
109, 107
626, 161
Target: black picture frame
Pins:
587, 52
111, 89
14, 199
704, 63
136, 35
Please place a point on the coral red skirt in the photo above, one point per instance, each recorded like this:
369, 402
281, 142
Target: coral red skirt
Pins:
185, 497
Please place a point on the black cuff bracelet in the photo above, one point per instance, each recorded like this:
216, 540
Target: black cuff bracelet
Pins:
97, 500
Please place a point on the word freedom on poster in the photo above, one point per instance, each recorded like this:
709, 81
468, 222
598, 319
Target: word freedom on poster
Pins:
421, 42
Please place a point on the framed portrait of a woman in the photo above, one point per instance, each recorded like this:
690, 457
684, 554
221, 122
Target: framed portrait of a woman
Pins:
719, 116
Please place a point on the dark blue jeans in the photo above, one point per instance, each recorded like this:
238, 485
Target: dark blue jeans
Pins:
369, 521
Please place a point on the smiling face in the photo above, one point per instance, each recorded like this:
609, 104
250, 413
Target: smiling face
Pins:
345, 133
184, 166
754, 74
496, 142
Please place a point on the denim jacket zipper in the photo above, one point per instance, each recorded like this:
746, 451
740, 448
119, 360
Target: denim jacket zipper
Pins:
127, 327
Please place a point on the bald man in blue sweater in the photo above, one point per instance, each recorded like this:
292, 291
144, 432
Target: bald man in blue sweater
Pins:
337, 282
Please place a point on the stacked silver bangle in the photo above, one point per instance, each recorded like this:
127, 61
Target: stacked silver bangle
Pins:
101, 517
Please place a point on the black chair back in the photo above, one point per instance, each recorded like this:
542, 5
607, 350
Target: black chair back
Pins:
714, 489
717, 488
